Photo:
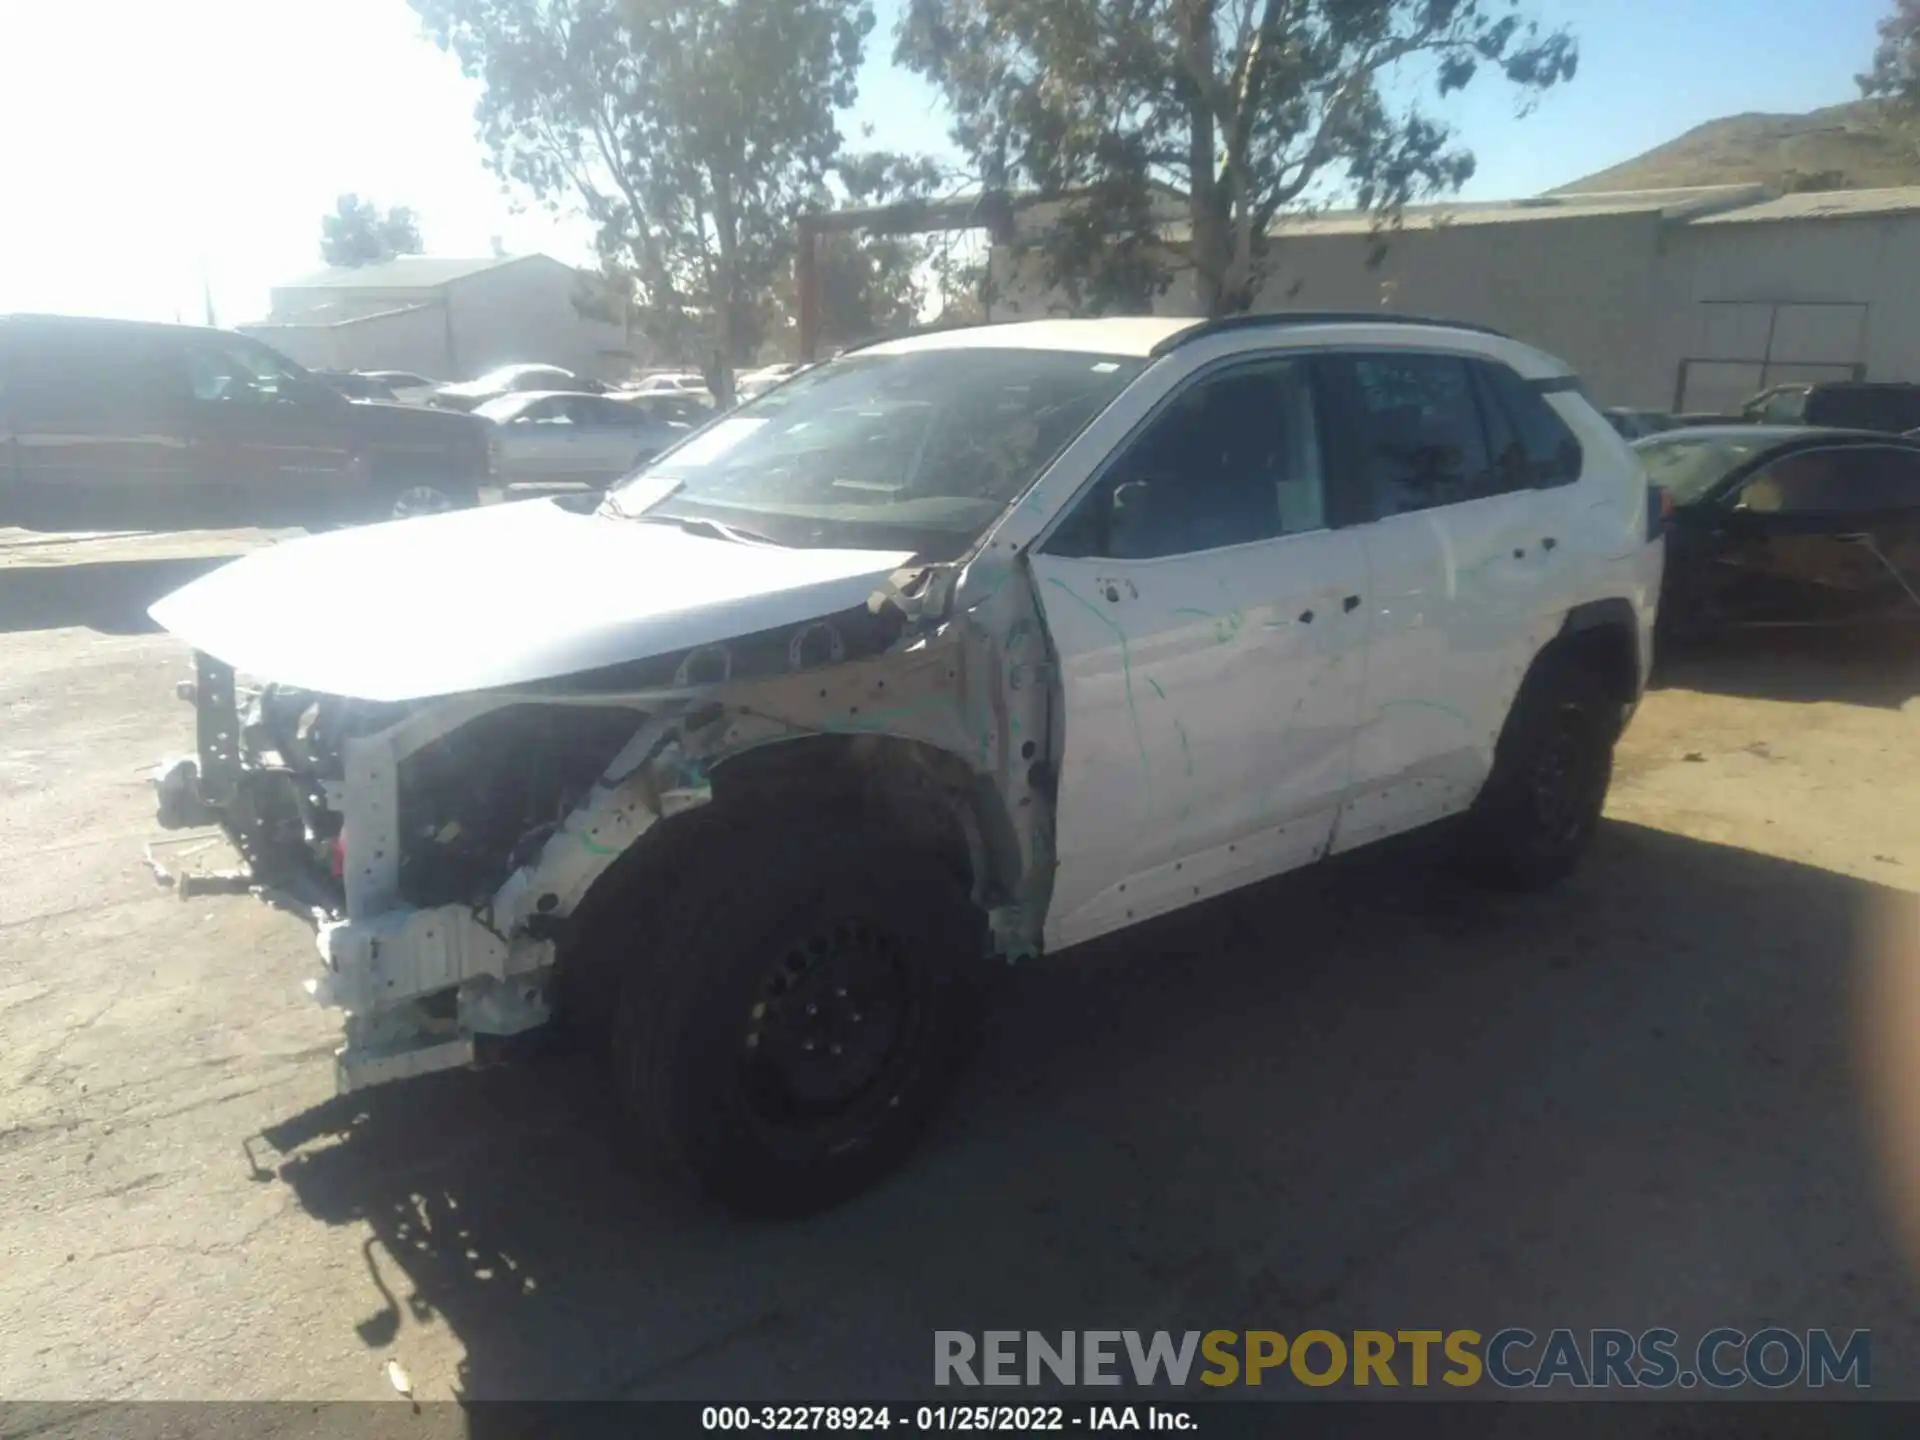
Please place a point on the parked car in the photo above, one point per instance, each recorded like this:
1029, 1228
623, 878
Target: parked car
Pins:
354, 385
749, 383
674, 382
1633, 424
510, 380
958, 649
117, 424
1787, 525
558, 437
404, 384
1888, 406
675, 407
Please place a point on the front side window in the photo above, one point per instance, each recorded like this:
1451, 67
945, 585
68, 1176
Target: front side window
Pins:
1866, 480
235, 372
1419, 432
1234, 458
919, 450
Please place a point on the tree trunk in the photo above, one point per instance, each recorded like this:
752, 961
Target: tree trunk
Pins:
724, 298
1210, 240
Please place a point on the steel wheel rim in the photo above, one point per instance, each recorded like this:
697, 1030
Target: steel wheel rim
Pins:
830, 1033
418, 500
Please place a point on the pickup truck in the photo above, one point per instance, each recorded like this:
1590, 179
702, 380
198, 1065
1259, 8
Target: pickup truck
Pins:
118, 425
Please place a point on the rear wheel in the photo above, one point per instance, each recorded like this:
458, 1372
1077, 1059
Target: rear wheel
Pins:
427, 497
802, 1010
1541, 805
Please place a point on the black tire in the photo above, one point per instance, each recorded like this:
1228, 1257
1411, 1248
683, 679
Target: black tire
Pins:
1541, 805
802, 939
407, 499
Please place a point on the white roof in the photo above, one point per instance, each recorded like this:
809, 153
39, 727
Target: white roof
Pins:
1112, 335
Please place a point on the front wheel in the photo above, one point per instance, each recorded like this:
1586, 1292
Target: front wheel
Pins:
1541, 805
800, 1013
427, 498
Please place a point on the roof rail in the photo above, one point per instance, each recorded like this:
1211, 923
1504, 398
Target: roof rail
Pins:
1203, 328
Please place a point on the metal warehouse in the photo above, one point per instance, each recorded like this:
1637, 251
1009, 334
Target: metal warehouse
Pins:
1688, 299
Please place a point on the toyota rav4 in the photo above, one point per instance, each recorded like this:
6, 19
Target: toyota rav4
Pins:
960, 648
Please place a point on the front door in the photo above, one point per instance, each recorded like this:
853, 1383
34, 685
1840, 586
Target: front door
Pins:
275, 447
1819, 537
1210, 631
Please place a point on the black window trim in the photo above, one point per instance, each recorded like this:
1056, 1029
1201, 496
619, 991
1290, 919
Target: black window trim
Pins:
1539, 389
1335, 480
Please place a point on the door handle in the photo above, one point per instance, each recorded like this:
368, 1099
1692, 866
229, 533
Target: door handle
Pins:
1350, 604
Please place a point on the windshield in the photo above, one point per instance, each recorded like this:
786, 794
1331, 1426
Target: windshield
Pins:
920, 451
1687, 467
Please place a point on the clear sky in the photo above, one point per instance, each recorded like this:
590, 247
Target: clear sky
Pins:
146, 144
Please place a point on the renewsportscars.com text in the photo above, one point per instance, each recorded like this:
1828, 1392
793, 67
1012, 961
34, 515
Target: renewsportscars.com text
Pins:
1513, 1359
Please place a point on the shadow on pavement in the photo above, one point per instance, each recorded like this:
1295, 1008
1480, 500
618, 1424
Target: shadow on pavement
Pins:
1675, 1092
110, 596
1877, 666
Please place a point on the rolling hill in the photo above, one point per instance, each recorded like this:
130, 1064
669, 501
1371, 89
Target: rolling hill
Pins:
1843, 147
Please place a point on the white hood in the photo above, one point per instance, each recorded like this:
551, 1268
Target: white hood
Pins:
499, 596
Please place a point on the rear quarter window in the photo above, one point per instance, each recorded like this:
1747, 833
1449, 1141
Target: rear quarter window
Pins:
1551, 449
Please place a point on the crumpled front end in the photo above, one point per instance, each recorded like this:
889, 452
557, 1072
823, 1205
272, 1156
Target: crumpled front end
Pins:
442, 847
395, 830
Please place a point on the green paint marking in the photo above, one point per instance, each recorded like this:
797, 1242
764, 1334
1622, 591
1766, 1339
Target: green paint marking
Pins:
1426, 705
1189, 610
1126, 669
596, 848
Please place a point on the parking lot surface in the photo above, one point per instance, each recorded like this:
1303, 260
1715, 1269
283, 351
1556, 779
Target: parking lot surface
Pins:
1683, 1090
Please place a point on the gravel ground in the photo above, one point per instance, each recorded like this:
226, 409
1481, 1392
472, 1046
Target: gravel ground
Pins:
1681, 1090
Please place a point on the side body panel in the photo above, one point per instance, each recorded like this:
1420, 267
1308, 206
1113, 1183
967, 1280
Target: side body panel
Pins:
1209, 704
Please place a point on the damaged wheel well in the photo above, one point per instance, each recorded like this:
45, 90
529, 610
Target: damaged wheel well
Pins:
931, 800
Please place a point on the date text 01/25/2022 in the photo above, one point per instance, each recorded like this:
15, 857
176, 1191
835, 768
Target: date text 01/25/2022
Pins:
938, 1418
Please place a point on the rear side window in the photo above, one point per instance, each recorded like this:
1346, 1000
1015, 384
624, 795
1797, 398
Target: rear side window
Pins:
1547, 451
1418, 432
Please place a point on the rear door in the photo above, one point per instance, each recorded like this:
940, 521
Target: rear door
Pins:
275, 446
1468, 477
541, 443
99, 437
1209, 625
617, 435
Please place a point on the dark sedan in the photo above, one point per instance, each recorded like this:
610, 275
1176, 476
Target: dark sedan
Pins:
1786, 525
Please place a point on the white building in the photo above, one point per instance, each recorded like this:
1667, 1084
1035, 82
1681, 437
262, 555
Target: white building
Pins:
448, 319
1666, 299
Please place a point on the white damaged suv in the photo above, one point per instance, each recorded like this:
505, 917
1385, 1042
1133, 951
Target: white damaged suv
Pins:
959, 648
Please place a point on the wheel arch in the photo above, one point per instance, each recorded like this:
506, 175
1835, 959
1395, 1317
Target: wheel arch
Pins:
931, 797
1602, 636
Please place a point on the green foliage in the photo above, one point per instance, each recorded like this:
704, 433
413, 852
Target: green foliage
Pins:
1230, 113
688, 131
1895, 75
359, 233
